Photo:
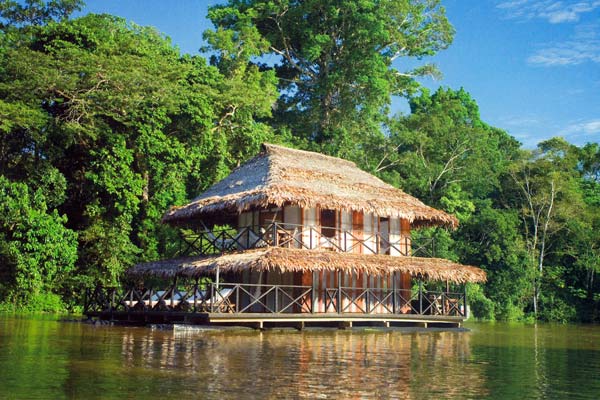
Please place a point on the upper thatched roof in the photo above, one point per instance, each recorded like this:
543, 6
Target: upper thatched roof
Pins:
280, 175
283, 260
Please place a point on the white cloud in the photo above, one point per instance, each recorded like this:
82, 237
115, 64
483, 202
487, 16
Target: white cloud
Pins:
583, 46
587, 128
567, 53
555, 12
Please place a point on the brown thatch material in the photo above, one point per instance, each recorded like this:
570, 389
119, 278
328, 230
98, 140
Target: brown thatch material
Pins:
279, 176
285, 260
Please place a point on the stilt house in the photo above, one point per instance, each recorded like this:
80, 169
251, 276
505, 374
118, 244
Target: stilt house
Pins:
298, 237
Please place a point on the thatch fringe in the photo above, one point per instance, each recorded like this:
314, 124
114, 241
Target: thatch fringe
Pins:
279, 176
291, 260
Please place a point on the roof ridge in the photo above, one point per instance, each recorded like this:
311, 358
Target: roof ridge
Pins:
272, 149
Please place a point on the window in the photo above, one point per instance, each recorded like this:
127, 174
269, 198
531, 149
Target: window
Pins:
328, 223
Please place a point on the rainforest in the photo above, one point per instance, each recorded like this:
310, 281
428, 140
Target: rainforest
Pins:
105, 124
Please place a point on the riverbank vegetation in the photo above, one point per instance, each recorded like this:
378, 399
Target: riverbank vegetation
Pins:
104, 125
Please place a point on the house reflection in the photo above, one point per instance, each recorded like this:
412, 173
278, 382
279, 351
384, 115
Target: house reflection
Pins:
330, 364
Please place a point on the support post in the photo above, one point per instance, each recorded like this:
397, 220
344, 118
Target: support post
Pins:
150, 293
173, 290
212, 297
196, 294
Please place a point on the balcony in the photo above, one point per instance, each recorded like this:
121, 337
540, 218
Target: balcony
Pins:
277, 234
213, 303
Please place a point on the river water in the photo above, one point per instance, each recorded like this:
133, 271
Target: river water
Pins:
42, 358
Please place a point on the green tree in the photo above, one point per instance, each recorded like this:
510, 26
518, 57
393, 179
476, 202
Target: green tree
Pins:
112, 148
36, 12
443, 144
446, 155
334, 60
37, 251
548, 197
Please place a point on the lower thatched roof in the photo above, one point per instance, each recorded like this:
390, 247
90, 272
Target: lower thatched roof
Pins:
284, 260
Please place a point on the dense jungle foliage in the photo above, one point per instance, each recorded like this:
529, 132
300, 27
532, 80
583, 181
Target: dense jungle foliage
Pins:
104, 125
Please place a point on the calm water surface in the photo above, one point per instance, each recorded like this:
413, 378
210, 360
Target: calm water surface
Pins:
46, 359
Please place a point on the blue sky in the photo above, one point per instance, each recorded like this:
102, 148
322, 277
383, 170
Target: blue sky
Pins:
533, 66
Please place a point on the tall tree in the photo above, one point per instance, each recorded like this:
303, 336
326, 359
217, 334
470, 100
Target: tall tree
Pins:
334, 59
546, 182
113, 125
444, 144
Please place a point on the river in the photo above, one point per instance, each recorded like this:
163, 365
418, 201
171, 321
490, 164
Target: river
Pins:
43, 358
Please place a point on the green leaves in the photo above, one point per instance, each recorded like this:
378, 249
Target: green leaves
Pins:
333, 60
112, 126
37, 251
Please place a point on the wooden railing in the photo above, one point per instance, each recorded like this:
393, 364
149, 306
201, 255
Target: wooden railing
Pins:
278, 234
241, 298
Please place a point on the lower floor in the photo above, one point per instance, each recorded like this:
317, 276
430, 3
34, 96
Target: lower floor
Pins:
292, 298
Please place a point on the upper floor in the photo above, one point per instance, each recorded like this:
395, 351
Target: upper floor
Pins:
309, 228
300, 199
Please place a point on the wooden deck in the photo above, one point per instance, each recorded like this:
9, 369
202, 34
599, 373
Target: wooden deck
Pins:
263, 306
268, 320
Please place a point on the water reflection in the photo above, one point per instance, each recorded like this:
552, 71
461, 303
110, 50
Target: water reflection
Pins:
42, 359
330, 364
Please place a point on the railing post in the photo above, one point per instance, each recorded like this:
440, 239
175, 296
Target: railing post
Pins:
212, 297
173, 290
313, 296
130, 298
339, 299
394, 292
196, 293
276, 299
420, 297
275, 238
237, 298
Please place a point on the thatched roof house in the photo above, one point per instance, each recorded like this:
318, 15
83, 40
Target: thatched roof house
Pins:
280, 175
310, 239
